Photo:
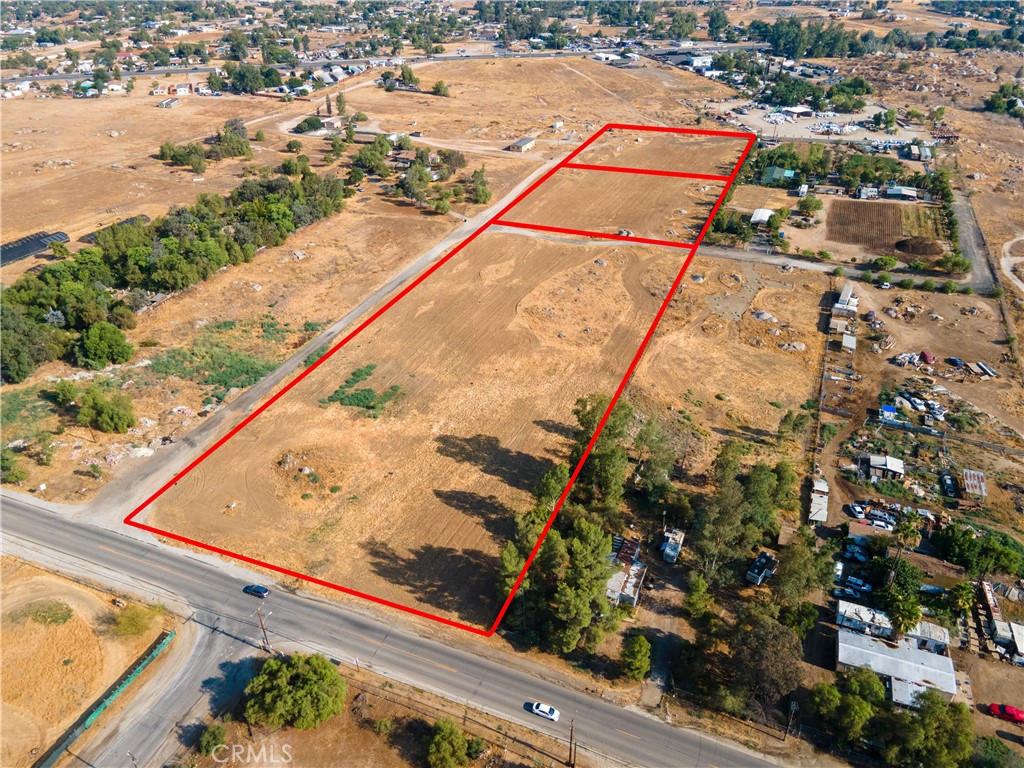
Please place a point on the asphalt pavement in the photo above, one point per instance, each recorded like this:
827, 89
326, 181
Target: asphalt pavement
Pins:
223, 629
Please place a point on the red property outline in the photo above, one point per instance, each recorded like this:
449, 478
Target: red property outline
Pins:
496, 219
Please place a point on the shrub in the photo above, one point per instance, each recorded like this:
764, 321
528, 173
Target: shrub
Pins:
115, 414
135, 619
949, 287
212, 737
384, 726
315, 355
311, 123
282, 684
49, 612
928, 285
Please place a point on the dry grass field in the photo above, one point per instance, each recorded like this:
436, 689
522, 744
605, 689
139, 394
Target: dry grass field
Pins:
52, 672
715, 155
495, 102
487, 357
657, 207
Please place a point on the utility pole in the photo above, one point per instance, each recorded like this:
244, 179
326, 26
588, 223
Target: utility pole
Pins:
571, 762
135, 761
266, 640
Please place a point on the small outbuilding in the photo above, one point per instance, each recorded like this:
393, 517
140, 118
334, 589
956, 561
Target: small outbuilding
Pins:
761, 216
524, 144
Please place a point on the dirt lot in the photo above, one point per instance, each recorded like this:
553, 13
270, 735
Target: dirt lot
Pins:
995, 683
495, 102
489, 354
715, 370
654, 207
716, 155
749, 197
52, 672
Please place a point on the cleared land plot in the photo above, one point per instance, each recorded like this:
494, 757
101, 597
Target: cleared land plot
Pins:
657, 207
676, 152
875, 225
490, 354
748, 197
494, 102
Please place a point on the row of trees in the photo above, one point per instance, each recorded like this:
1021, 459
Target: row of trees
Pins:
937, 733
231, 141
77, 308
741, 513
561, 604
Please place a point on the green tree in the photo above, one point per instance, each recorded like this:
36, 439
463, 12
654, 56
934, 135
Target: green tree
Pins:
408, 77
636, 657
654, 461
698, 600
339, 102
447, 747
767, 657
801, 617
10, 471
481, 191
101, 344
809, 204
961, 597
938, 733
213, 737
303, 691
65, 392
294, 145
440, 89
113, 414
602, 477
25, 342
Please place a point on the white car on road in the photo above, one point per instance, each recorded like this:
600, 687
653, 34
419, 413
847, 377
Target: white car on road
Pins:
546, 711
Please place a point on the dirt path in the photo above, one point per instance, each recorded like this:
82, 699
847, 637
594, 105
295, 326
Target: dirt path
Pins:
1008, 262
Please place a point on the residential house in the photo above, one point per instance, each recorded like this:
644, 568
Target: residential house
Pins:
819, 502
763, 568
883, 467
773, 174
624, 584
909, 668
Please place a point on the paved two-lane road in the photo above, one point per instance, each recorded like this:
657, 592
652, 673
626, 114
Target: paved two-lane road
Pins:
223, 625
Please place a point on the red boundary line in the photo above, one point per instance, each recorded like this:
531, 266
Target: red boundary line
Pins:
129, 520
588, 233
646, 171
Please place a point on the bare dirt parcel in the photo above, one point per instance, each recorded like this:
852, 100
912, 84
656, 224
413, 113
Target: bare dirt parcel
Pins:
392, 469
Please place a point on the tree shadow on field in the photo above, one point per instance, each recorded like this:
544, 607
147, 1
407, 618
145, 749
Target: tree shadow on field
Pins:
515, 468
462, 582
556, 428
226, 689
498, 519
749, 434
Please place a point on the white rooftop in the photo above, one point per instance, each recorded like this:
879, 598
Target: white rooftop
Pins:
887, 462
900, 661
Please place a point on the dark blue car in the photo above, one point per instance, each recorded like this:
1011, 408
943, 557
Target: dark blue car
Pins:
257, 590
